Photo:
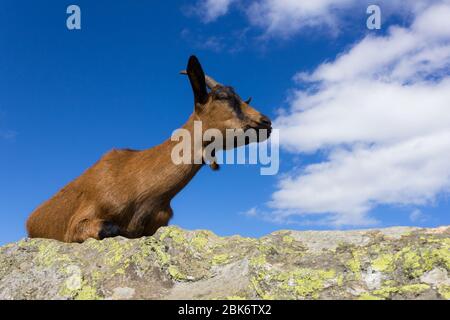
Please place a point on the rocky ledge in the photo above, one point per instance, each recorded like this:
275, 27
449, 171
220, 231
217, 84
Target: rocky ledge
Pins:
394, 263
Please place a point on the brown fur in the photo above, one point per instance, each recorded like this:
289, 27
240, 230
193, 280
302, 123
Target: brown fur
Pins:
128, 192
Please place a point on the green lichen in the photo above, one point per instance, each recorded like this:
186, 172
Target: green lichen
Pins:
96, 245
144, 251
87, 293
67, 291
176, 274
259, 260
117, 255
305, 283
48, 255
444, 291
412, 266
266, 247
366, 296
163, 257
288, 239
235, 298
414, 288
78, 290
386, 292
27, 243
309, 283
280, 267
199, 241
173, 233
96, 275
147, 247
415, 262
257, 282
220, 259
437, 257
254, 281
389, 283
340, 280
73, 282
384, 263
354, 264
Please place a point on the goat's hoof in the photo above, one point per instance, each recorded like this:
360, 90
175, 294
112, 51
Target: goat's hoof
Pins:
108, 230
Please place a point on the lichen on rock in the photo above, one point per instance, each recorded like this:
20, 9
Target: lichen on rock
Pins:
394, 263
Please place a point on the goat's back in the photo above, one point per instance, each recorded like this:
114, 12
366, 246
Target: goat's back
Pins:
50, 220
106, 181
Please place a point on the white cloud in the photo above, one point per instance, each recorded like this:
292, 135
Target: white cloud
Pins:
287, 17
211, 10
380, 113
418, 216
252, 212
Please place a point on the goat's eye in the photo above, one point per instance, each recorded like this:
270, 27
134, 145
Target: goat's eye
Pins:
222, 96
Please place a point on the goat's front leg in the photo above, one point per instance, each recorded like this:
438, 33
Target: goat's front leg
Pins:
145, 222
158, 220
84, 228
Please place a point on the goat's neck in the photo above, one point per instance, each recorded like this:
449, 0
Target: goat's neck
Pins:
173, 177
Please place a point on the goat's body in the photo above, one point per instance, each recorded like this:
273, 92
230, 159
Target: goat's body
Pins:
130, 190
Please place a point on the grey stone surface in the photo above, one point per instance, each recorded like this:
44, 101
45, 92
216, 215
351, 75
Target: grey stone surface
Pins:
394, 263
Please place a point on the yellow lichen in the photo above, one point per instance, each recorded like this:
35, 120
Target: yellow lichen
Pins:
173, 233
199, 241
258, 260
87, 293
288, 239
235, 298
389, 283
386, 292
254, 281
48, 255
305, 283
437, 257
96, 275
147, 247
116, 251
444, 291
340, 280
220, 259
414, 288
384, 263
164, 258
412, 263
176, 274
354, 264
309, 283
366, 296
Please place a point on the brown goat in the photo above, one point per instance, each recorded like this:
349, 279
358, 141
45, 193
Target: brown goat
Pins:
128, 192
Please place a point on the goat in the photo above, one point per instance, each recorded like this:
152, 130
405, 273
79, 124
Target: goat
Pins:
128, 192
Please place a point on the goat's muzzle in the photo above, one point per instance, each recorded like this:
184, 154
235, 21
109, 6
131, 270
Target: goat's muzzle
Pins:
263, 129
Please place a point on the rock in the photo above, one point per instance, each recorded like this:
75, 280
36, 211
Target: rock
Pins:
394, 263
436, 277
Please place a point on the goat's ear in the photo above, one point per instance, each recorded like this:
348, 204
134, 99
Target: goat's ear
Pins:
197, 79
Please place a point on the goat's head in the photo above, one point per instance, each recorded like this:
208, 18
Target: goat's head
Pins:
221, 108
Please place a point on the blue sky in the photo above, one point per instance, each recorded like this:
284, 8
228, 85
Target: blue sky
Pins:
67, 97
